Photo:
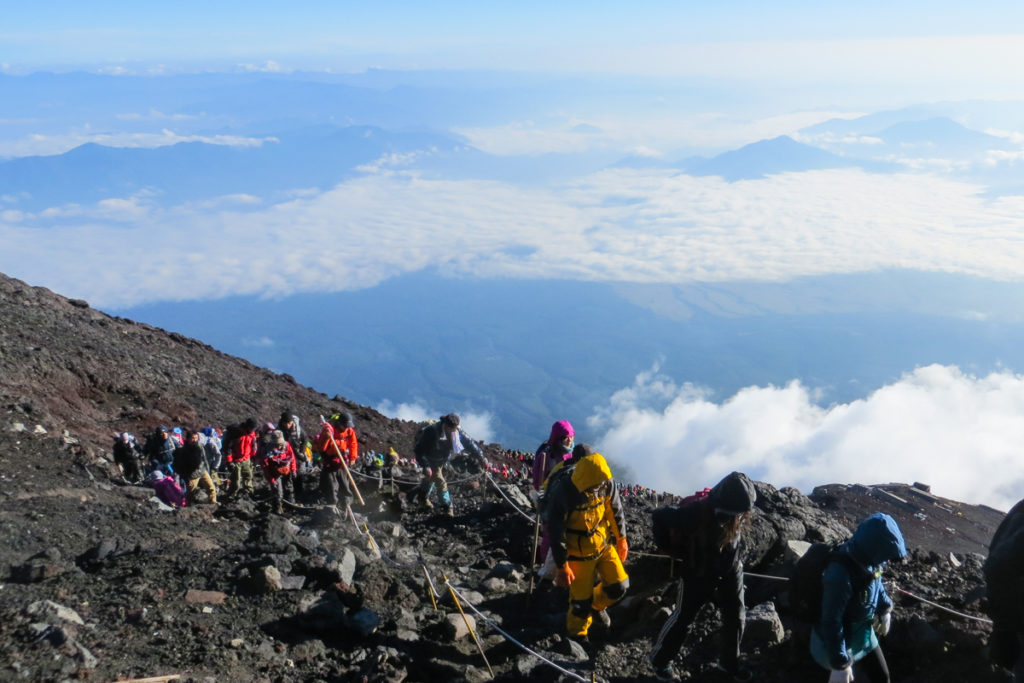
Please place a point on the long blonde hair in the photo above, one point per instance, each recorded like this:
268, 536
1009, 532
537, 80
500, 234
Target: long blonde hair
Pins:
729, 531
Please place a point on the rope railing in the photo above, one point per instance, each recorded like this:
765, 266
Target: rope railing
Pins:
941, 607
508, 637
531, 518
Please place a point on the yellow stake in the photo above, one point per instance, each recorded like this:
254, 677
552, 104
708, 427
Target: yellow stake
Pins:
466, 620
430, 587
373, 543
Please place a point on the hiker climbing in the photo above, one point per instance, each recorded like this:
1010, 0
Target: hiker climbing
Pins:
291, 428
160, 449
855, 609
704, 536
126, 456
1004, 582
190, 464
436, 444
336, 441
240, 452
588, 542
556, 449
279, 468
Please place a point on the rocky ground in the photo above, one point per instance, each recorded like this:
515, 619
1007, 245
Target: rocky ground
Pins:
100, 583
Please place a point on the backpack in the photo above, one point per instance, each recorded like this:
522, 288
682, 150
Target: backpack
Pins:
544, 507
805, 586
697, 495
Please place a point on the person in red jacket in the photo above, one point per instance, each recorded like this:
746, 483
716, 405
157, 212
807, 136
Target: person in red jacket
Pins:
279, 466
240, 453
337, 440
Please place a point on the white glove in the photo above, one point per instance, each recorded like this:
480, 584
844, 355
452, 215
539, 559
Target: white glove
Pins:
841, 676
883, 622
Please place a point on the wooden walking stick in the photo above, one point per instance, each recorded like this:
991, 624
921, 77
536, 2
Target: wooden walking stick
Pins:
344, 465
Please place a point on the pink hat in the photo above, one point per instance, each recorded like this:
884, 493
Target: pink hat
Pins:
560, 430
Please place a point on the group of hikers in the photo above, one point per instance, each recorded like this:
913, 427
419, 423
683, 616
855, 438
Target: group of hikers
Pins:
582, 537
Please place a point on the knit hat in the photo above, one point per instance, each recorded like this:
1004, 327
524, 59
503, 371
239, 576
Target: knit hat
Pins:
560, 430
734, 495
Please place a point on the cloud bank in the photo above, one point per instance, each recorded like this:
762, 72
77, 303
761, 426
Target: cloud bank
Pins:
959, 433
618, 225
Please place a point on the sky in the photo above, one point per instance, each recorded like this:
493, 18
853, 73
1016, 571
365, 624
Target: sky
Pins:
927, 47
782, 65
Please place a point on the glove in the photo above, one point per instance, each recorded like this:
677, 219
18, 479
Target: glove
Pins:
883, 622
564, 576
622, 547
841, 676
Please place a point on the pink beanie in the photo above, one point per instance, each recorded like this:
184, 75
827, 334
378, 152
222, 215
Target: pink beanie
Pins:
560, 430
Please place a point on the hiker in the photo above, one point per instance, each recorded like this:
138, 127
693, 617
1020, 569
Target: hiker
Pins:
1004, 582
166, 489
556, 449
337, 440
855, 609
544, 555
390, 462
160, 449
588, 542
240, 452
703, 535
291, 428
436, 444
190, 464
126, 455
209, 439
278, 467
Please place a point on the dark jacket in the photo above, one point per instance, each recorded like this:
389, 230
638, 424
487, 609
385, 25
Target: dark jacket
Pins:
189, 460
296, 437
125, 452
161, 450
1004, 583
689, 532
434, 450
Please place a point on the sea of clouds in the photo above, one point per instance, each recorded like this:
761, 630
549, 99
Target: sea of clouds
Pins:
960, 433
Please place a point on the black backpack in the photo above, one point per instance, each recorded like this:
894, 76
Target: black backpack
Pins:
550, 484
805, 586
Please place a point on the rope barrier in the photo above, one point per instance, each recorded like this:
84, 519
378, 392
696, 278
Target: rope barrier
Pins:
512, 640
766, 576
938, 606
531, 518
413, 481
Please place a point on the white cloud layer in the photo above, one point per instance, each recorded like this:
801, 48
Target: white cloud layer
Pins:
959, 433
620, 225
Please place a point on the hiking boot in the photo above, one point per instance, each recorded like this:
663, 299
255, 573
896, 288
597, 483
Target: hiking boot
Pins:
426, 504
449, 510
604, 619
279, 509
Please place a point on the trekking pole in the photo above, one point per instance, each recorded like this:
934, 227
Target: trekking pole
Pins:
430, 587
533, 557
344, 465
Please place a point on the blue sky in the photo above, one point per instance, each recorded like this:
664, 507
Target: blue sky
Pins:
719, 39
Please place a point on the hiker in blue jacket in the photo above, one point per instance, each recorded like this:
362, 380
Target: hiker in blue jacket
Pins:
855, 609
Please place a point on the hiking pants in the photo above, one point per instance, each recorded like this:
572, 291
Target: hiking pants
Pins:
436, 479
202, 480
241, 477
130, 469
585, 598
283, 488
335, 487
693, 593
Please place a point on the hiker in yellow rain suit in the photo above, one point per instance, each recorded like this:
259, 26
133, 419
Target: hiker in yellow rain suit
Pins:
588, 536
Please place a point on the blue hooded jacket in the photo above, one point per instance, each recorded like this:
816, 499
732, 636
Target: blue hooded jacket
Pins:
845, 632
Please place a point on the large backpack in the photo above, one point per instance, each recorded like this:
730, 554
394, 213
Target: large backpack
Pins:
544, 506
805, 586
